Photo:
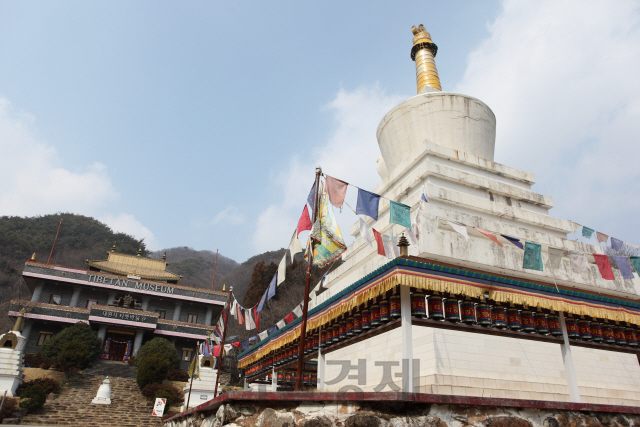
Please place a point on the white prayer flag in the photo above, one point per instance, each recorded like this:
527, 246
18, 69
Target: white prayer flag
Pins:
282, 269
632, 245
249, 322
460, 229
263, 335
412, 236
297, 311
396, 248
578, 262
388, 246
366, 233
294, 245
555, 257
281, 324
234, 309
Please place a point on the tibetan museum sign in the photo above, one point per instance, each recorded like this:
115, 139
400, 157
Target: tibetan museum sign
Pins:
105, 315
132, 284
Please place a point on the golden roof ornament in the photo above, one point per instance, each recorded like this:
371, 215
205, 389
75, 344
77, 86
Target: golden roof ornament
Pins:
33, 256
17, 327
139, 251
164, 256
113, 248
423, 52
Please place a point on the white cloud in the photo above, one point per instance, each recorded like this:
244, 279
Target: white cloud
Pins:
34, 182
349, 154
561, 78
126, 223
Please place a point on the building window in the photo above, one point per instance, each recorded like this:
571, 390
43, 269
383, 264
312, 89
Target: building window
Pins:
162, 314
186, 354
55, 299
44, 337
193, 318
91, 302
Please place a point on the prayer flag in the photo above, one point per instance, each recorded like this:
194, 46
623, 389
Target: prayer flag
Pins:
297, 311
234, 310
460, 229
272, 329
288, 318
602, 238
412, 236
245, 345
272, 287
282, 269
623, 266
388, 246
368, 204
578, 263
253, 338
379, 242
633, 246
304, 223
281, 324
227, 348
326, 233
249, 324
604, 266
365, 232
399, 214
240, 318
532, 256
256, 317
336, 190
216, 350
513, 240
194, 368
310, 197
489, 234
262, 300
424, 196
263, 335
294, 245
587, 232
236, 344
395, 240
555, 257
616, 244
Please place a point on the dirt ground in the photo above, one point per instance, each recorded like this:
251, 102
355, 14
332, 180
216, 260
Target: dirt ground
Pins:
34, 373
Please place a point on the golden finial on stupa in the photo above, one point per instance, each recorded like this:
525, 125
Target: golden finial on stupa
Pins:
19, 322
164, 256
423, 53
33, 256
224, 287
139, 251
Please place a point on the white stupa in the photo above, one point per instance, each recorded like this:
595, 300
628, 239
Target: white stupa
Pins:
11, 357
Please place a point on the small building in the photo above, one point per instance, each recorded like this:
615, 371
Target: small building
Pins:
127, 299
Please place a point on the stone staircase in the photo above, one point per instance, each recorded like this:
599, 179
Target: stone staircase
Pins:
73, 407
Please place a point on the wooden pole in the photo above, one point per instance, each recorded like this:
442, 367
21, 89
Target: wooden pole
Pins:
305, 306
225, 319
214, 270
54, 241
191, 384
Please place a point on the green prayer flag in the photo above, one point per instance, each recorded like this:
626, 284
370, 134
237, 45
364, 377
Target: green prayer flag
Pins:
587, 232
635, 260
532, 256
400, 214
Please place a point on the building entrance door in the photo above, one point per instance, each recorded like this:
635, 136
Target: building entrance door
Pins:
118, 345
118, 350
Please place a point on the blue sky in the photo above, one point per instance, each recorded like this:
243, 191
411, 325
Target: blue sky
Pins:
200, 123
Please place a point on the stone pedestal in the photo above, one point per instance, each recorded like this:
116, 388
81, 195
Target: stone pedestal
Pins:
203, 387
11, 358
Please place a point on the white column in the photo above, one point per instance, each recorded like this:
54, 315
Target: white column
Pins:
321, 363
569, 369
145, 304
208, 316
111, 297
26, 331
274, 380
407, 339
37, 292
74, 297
102, 332
137, 343
176, 312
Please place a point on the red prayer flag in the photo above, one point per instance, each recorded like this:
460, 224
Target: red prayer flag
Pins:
288, 318
236, 344
604, 266
256, 315
336, 190
489, 234
304, 223
379, 242
216, 350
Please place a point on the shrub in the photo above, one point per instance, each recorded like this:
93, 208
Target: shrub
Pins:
178, 375
72, 355
79, 331
152, 368
10, 406
49, 384
161, 346
173, 394
38, 361
33, 398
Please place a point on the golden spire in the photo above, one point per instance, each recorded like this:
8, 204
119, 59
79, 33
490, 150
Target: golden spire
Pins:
223, 287
33, 256
164, 256
17, 327
423, 53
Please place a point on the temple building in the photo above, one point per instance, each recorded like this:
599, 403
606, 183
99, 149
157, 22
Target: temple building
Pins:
127, 299
456, 313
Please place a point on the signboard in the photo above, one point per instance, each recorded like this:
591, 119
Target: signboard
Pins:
132, 284
100, 314
158, 408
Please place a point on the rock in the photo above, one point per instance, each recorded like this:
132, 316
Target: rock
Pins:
360, 420
419, 421
11, 421
226, 414
318, 422
550, 422
506, 422
271, 418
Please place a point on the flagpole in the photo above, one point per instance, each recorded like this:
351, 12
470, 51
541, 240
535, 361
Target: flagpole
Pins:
214, 270
192, 376
303, 326
54, 241
224, 335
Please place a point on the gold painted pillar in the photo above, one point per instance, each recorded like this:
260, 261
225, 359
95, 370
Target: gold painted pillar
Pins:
423, 53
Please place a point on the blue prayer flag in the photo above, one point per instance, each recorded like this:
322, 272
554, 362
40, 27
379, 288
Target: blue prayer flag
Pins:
532, 256
272, 287
587, 232
272, 329
513, 240
616, 244
399, 214
311, 195
245, 344
367, 204
262, 300
253, 338
623, 266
